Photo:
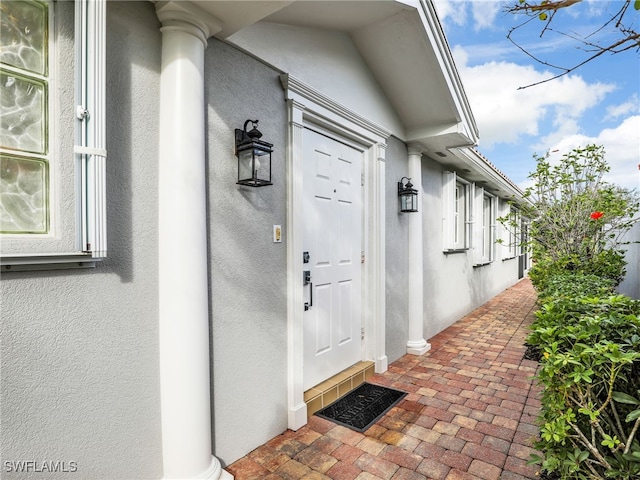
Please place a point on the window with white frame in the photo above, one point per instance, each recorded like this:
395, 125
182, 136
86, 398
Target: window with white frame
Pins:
484, 226
456, 212
52, 138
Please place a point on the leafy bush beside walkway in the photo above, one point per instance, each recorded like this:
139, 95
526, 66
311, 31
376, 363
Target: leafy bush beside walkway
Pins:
588, 337
589, 340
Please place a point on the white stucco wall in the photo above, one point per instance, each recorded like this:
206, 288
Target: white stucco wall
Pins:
452, 286
326, 60
397, 254
79, 348
247, 269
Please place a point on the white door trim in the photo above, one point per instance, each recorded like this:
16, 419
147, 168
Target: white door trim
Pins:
308, 107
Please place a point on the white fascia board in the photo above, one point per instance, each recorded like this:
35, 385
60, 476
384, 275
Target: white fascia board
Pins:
436, 35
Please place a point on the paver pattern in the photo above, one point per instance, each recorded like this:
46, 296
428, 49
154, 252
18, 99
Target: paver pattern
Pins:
470, 412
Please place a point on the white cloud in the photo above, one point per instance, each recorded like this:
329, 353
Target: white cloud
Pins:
629, 107
484, 14
505, 114
455, 11
451, 11
561, 114
622, 147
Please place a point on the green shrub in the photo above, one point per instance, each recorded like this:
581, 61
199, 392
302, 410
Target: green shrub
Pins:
587, 336
589, 421
590, 372
608, 265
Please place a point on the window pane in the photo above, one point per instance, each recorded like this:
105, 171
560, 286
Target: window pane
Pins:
23, 36
23, 114
23, 195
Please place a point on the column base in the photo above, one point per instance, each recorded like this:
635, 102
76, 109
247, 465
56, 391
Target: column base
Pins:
213, 472
418, 348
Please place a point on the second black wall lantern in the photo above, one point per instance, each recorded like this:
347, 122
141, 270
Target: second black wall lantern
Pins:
408, 195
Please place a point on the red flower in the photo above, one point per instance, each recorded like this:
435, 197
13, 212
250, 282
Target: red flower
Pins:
596, 215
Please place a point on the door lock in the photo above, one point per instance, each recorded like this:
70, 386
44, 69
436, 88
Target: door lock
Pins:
306, 277
305, 257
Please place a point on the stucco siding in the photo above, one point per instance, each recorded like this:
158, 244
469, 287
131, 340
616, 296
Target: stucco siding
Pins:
452, 285
248, 278
80, 379
336, 68
397, 255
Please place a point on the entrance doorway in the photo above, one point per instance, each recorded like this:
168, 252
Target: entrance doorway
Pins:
332, 268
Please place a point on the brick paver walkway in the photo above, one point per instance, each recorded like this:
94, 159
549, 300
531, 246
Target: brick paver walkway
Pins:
470, 412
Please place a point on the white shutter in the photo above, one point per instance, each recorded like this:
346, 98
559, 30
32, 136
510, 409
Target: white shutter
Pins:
448, 209
477, 223
90, 147
494, 228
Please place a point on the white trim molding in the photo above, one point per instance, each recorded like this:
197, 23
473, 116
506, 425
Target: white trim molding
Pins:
309, 107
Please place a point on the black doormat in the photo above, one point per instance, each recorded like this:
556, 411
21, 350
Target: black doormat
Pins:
362, 407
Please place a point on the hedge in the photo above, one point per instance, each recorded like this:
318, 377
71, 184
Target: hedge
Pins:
589, 342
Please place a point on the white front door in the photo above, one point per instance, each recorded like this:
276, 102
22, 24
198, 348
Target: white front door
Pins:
333, 241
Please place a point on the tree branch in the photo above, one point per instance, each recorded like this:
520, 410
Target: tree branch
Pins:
546, 11
635, 38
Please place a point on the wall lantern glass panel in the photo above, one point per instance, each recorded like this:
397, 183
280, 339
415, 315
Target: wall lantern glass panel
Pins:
254, 156
408, 196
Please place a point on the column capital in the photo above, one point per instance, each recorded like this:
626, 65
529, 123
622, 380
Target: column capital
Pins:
189, 18
415, 149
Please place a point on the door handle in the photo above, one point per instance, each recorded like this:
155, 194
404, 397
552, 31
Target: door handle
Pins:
306, 280
309, 304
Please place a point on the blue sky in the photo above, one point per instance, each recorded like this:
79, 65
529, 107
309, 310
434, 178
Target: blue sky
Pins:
598, 103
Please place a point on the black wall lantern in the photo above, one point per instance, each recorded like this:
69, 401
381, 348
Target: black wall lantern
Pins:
408, 196
254, 156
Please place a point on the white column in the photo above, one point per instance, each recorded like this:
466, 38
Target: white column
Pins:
182, 228
416, 345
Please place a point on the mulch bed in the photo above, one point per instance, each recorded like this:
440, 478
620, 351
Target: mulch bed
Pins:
532, 353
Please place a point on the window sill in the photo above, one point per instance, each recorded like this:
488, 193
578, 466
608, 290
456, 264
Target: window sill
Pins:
51, 261
455, 250
509, 258
484, 264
